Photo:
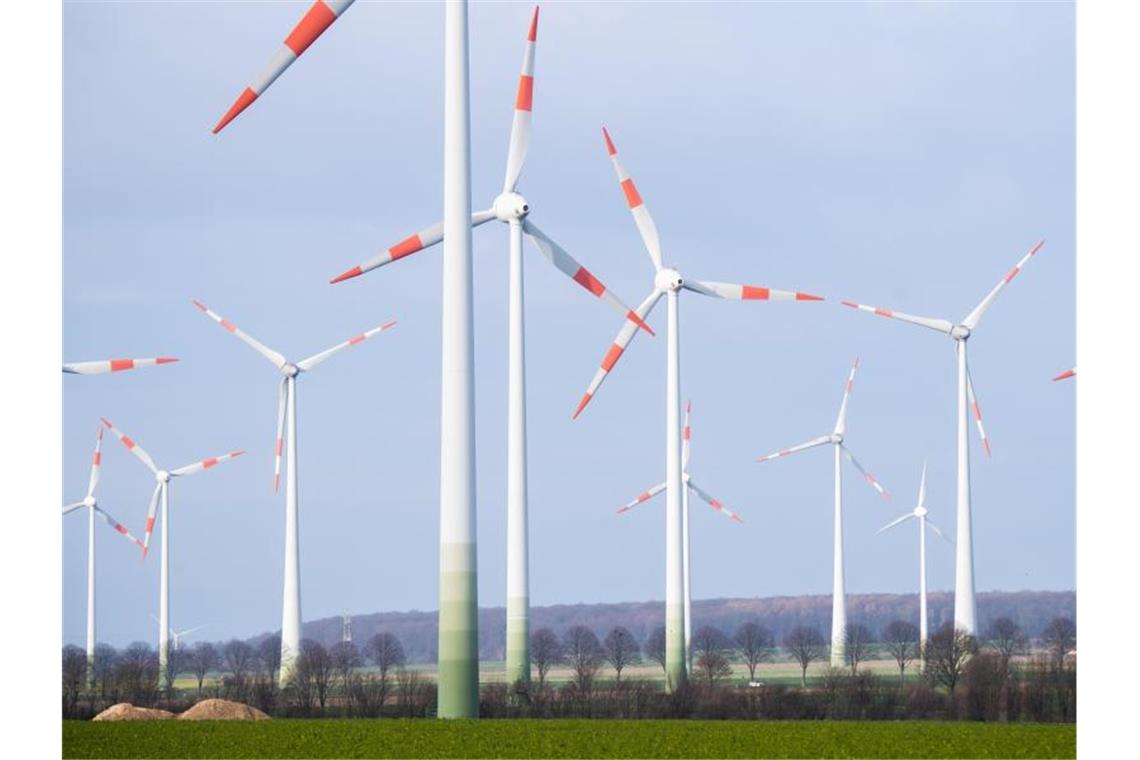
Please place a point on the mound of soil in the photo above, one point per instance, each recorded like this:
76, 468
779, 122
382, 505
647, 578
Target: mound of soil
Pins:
222, 709
127, 711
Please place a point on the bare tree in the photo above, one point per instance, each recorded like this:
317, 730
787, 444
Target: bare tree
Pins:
755, 644
386, 652
203, 658
900, 640
946, 654
1006, 639
545, 652
859, 645
313, 673
583, 652
177, 661
105, 657
239, 658
708, 647
74, 675
805, 645
269, 655
136, 670
655, 646
345, 658
1059, 638
621, 649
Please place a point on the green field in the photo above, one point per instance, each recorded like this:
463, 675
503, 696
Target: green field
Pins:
564, 738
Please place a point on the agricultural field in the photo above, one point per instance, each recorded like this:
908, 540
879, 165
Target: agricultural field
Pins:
564, 738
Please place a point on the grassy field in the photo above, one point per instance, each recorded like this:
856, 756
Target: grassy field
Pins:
564, 738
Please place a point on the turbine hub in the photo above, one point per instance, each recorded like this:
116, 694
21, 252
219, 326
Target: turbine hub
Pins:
89, 501
920, 511
668, 280
290, 370
509, 206
162, 476
959, 332
837, 437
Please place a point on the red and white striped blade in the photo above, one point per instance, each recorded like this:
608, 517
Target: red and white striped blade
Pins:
113, 365
624, 336
524, 101
133, 447
273, 356
792, 450
316, 20
746, 292
871, 480
976, 409
941, 325
642, 497
972, 319
641, 216
118, 526
570, 267
279, 445
315, 359
1066, 374
897, 521
714, 503
841, 420
425, 238
686, 437
151, 511
96, 463
205, 464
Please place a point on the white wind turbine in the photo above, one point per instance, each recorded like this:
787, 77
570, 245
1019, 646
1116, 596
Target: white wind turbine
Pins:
93, 510
113, 365
287, 440
686, 442
838, 584
513, 210
177, 636
919, 513
965, 607
668, 282
162, 489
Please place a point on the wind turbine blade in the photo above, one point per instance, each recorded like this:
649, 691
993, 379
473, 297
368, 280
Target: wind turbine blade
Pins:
567, 264
746, 292
69, 508
841, 420
205, 464
315, 359
96, 463
118, 526
941, 325
1066, 374
279, 444
524, 99
154, 618
643, 496
895, 522
972, 319
133, 447
189, 631
425, 238
319, 17
624, 336
866, 475
273, 356
922, 486
641, 216
784, 452
937, 531
148, 530
977, 409
113, 365
714, 503
686, 436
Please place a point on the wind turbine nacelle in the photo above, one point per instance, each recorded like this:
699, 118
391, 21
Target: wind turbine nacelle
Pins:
510, 206
959, 332
668, 280
162, 476
920, 511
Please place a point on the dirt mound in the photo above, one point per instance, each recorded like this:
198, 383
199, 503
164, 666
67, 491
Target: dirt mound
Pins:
222, 709
127, 711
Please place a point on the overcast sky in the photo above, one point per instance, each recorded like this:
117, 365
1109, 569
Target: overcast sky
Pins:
902, 155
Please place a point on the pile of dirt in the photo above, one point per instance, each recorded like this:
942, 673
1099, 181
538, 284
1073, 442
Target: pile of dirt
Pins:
222, 709
127, 711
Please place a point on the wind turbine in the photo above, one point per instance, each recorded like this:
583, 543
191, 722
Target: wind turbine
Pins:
1066, 374
512, 209
668, 282
113, 365
965, 607
838, 584
94, 509
162, 489
919, 513
686, 438
287, 440
176, 636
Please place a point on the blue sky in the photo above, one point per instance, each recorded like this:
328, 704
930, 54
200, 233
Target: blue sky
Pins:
903, 155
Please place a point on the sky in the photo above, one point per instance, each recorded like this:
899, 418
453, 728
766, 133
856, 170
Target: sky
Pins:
901, 155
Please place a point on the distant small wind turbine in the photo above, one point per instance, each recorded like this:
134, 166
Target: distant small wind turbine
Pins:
919, 513
113, 365
177, 636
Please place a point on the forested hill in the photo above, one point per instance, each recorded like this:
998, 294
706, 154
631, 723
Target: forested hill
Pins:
1032, 610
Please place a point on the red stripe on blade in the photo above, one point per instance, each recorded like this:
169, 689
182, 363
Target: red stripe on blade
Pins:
118, 365
228, 325
149, 524
354, 272
532, 35
582, 405
405, 247
315, 22
589, 282
752, 293
609, 143
808, 297
611, 357
632, 197
165, 360
884, 312
525, 97
247, 96
356, 339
